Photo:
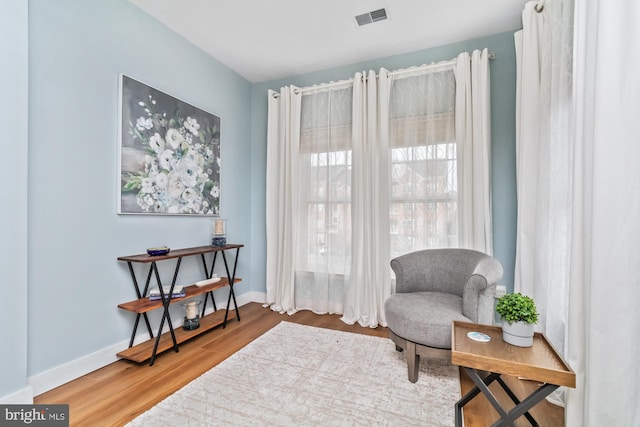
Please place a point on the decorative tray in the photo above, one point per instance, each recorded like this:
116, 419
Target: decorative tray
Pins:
207, 282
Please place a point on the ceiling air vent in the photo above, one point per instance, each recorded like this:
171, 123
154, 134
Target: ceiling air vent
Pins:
369, 17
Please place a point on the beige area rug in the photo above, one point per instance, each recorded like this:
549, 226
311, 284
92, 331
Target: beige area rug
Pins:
297, 375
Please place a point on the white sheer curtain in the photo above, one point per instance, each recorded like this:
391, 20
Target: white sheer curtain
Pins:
579, 198
375, 172
283, 141
323, 247
543, 163
604, 320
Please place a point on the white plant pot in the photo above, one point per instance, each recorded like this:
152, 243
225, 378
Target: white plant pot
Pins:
518, 333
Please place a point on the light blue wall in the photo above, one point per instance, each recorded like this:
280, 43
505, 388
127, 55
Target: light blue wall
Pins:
13, 193
77, 50
503, 81
62, 236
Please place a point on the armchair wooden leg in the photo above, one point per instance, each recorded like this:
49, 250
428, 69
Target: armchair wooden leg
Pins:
413, 361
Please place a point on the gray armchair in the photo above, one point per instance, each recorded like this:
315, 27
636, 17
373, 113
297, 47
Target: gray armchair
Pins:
434, 287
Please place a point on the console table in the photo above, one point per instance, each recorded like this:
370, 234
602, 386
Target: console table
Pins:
540, 362
142, 305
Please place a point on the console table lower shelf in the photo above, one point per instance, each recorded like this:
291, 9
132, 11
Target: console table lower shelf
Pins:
158, 344
143, 351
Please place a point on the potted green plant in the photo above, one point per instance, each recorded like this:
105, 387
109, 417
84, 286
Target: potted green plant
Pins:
519, 315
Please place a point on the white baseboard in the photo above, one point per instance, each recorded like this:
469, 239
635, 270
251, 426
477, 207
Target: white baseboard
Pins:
248, 297
20, 397
66, 372
54, 377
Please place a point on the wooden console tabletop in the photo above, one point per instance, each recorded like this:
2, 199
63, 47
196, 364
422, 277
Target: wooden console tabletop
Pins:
177, 253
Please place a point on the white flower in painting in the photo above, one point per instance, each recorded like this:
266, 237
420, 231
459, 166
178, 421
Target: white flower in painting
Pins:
147, 185
159, 207
144, 123
175, 188
166, 159
174, 138
192, 125
156, 143
189, 195
215, 190
194, 157
187, 171
145, 201
192, 203
162, 181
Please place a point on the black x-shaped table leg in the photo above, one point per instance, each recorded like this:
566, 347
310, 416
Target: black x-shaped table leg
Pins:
506, 418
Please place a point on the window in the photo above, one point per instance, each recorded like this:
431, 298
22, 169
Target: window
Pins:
423, 205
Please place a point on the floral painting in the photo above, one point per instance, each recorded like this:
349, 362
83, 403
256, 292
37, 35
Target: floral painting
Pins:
169, 154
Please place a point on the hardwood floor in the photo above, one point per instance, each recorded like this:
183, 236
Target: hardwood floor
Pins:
117, 393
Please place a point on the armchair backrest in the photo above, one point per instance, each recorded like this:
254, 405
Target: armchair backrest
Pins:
444, 270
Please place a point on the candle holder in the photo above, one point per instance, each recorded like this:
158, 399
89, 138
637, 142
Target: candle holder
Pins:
192, 315
219, 232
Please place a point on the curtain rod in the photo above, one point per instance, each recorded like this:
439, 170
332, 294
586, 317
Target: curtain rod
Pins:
324, 85
492, 55
319, 86
423, 67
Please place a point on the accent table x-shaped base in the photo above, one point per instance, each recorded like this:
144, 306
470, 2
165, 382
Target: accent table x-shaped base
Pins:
506, 418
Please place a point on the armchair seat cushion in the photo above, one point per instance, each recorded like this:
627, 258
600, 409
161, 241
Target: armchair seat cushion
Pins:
424, 317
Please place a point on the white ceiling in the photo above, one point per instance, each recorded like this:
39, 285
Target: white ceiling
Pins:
268, 39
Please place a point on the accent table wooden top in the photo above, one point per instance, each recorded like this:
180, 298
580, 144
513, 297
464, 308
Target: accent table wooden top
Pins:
178, 253
540, 362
